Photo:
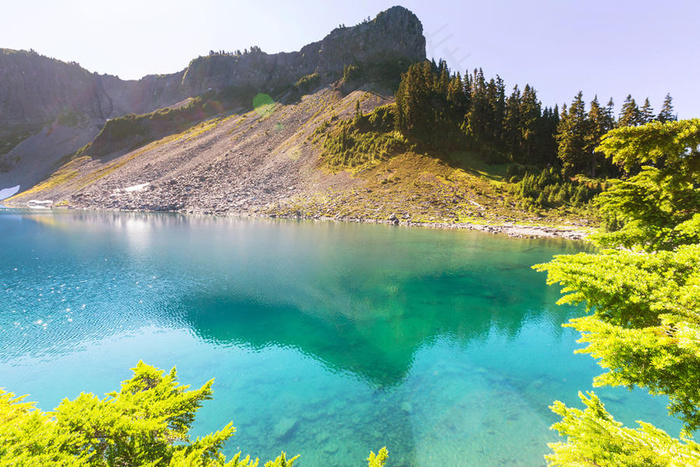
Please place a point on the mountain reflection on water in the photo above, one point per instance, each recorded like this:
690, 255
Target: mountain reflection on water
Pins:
374, 329
358, 298
325, 339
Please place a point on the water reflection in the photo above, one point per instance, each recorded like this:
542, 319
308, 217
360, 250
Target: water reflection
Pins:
361, 299
325, 339
370, 332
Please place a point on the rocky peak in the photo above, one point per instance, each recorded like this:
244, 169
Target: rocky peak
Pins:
395, 34
394, 38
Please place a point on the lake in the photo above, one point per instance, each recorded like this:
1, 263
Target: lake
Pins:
326, 339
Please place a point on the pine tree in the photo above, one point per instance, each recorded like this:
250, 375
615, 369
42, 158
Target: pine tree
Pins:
412, 100
444, 78
546, 145
497, 100
643, 303
666, 114
475, 124
358, 113
630, 114
571, 136
609, 114
646, 112
512, 125
530, 123
457, 100
596, 129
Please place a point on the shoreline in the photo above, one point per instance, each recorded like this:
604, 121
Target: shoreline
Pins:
510, 229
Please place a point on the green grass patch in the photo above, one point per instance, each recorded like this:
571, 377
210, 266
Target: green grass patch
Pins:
361, 141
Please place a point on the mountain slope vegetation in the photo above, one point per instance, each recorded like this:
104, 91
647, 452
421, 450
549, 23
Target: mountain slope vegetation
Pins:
370, 132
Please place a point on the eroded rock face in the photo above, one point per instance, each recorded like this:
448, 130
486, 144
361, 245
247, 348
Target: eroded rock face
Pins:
393, 39
37, 89
34, 88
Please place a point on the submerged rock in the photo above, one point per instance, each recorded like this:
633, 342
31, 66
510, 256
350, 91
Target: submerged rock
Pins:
285, 428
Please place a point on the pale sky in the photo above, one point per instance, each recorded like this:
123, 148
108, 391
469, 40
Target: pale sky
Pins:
606, 47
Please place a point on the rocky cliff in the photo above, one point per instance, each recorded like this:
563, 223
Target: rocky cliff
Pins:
36, 89
385, 45
50, 109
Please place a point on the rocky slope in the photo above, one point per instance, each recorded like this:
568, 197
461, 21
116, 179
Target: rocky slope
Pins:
50, 109
236, 163
269, 161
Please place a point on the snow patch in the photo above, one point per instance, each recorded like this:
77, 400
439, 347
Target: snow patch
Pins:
139, 187
7, 192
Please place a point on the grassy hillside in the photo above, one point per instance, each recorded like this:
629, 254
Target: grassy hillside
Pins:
400, 182
321, 155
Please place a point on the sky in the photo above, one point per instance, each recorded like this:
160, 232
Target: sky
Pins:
608, 48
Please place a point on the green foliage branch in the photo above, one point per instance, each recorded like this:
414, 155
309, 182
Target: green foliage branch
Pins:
145, 423
659, 207
643, 301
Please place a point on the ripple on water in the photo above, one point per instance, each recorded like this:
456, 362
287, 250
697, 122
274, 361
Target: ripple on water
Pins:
326, 340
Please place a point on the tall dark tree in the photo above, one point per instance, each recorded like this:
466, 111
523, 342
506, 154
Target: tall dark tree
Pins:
497, 100
630, 115
443, 111
476, 121
646, 112
667, 114
597, 127
512, 134
609, 113
457, 99
547, 141
531, 127
413, 111
572, 136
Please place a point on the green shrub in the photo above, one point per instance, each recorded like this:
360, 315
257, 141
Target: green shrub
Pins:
145, 423
308, 83
550, 189
365, 139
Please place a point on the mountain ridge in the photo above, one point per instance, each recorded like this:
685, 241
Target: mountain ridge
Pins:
50, 109
37, 89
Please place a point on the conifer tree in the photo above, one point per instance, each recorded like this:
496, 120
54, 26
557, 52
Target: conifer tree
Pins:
643, 302
358, 113
547, 141
531, 127
497, 101
457, 99
630, 115
609, 114
600, 121
476, 120
646, 112
145, 423
667, 114
596, 131
572, 136
512, 125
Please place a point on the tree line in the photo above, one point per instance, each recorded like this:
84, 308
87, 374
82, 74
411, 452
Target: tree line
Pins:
448, 112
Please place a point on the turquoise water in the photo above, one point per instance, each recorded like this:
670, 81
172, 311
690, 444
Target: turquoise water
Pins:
327, 340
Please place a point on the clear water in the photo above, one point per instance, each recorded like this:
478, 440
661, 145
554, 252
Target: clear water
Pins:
325, 339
